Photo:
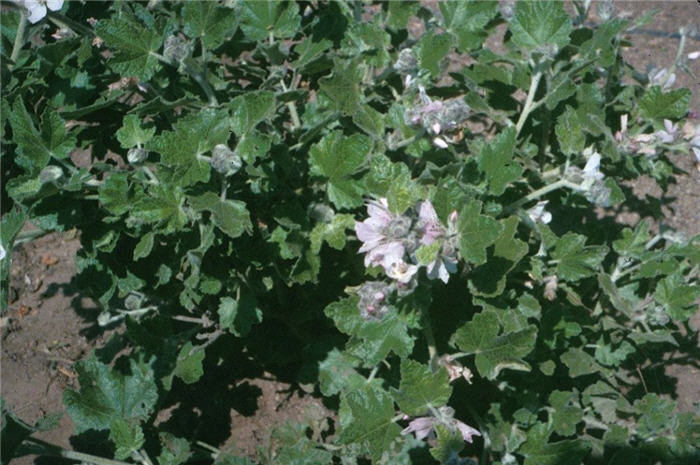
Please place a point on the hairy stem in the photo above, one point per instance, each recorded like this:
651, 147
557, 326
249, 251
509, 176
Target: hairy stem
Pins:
528, 107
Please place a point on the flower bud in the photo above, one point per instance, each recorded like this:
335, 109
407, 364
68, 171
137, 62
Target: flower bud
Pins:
50, 174
406, 62
225, 161
176, 49
136, 155
132, 302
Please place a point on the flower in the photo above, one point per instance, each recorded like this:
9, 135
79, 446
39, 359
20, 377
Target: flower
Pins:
592, 185
3, 253
422, 427
661, 78
455, 370
383, 235
538, 214
669, 133
432, 230
36, 9
402, 272
694, 55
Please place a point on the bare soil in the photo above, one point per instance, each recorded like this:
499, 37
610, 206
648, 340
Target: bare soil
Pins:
50, 326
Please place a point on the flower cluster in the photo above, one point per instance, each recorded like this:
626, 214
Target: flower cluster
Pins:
36, 9
590, 180
437, 117
388, 238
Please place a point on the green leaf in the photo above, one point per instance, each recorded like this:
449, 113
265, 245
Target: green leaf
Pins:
337, 373
421, 388
448, 444
633, 243
575, 260
208, 22
467, 20
372, 413
401, 12
144, 246
368, 40
188, 366
490, 278
655, 412
135, 45
579, 362
174, 450
127, 437
231, 216
540, 23
239, 316
253, 145
679, 299
309, 50
476, 231
193, 135
432, 49
566, 414
538, 451
106, 394
332, 233
261, 19
114, 194
131, 134
427, 253
562, 87
34, 147
496, 161
494, 352
375, 339
343, 88
251, 108
656, 104
569, 133
161, 206
336, 158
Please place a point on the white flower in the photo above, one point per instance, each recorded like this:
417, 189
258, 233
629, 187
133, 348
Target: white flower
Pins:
402, 272
662, 78
538, 214
591, 172
2, 252
36, 9
422, 427
694, 55
383, 234
440, 142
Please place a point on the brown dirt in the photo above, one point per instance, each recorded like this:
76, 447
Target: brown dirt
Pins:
48, 325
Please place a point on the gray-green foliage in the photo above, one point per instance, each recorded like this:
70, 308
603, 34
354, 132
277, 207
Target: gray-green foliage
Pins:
220, 194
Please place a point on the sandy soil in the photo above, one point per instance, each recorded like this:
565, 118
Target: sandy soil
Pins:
49, 326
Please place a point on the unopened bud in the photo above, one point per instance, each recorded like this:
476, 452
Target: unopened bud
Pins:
406, 61
136, 155
176, 49
50, 174
224, 160
132, 302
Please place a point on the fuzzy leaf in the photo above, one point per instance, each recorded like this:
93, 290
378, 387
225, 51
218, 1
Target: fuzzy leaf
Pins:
447, 445
679, 300
496, 161
494, 352
432, 49
34, 147
144, 246
127, 437
476, 231
161, 206
131, 134
579, 362
239, 316
336, 158
467, 20
260, 19
208, 22
576, 260
569, 133
250, 109
540, 23
343, 87
134, 44
332, 233
106, 394
421, 388
656, 104
188, 366
337, 373
174, 450
566, 414
372, 412
191, 136
231, 216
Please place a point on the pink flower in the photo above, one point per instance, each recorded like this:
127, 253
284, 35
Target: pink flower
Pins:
430, 223
383, 234
36, 9
669, 133
445, 261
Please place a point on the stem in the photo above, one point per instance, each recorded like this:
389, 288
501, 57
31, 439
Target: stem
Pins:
64, 22
19, 37
527, 108
539, 193
53, 450
484, 434
150, 174
296, 123
410, 140
372, 374
190, 319
208, 447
